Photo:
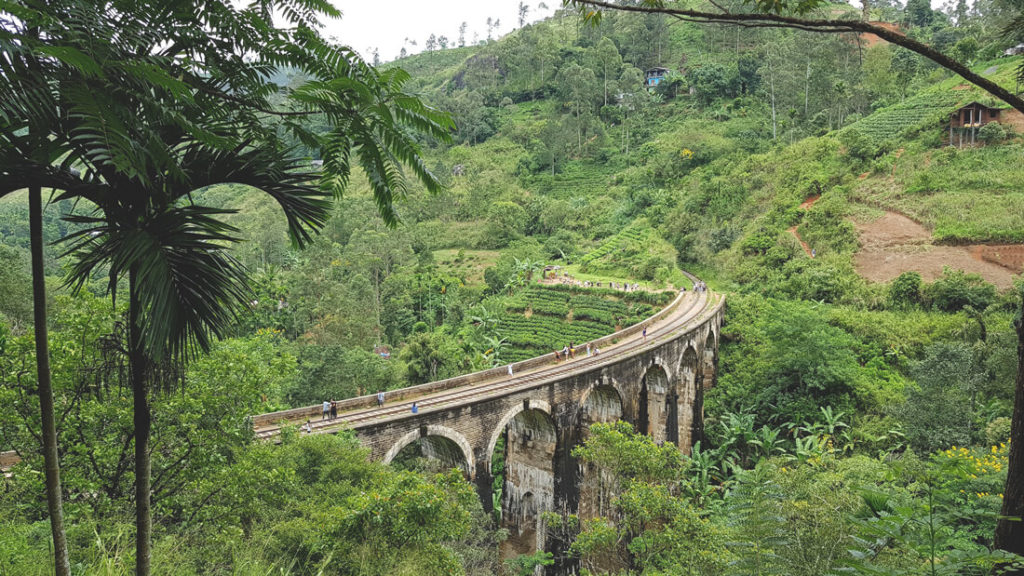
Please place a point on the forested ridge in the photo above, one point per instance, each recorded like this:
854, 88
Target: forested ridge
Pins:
861, 416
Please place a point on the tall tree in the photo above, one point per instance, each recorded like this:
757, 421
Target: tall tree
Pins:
918, 13
578, 87
1010, 528
609, 62
633, 101
28, 113
545, 54
50, 452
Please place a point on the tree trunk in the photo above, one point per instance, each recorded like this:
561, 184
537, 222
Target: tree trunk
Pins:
140, 391
1010, 528
579, 132
807, 87
771, 80
54, 497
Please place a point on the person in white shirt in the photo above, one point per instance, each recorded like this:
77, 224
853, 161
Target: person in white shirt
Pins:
327, 410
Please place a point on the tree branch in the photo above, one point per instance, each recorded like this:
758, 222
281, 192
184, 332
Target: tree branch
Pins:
761, 20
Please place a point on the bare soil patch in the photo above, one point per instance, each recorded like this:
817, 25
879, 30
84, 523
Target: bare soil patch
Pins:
806, 204
803, 244
894, 244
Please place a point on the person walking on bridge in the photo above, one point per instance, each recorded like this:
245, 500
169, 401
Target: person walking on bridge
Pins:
326, 410
415, 409
380, 398
334, 409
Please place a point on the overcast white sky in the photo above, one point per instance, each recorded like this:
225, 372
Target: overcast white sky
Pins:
385, 24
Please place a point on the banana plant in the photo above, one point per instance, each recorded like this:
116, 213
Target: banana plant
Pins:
702, 474
769, 442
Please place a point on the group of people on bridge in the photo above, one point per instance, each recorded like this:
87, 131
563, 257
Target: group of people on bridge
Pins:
330, 410
569, 351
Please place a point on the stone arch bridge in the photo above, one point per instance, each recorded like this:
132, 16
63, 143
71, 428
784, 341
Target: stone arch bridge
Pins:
655, 381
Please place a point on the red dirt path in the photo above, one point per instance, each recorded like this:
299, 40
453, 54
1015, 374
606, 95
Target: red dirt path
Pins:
805, 205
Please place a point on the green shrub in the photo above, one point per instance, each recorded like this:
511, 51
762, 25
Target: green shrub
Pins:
957, 289
997, 431
905, 291
992, 133
817, 279
858, 145
758, 243
937, 413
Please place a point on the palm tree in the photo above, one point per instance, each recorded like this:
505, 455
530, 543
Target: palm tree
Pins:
183, 284
27, 115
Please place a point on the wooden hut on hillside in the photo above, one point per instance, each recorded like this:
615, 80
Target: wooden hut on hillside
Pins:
965, 121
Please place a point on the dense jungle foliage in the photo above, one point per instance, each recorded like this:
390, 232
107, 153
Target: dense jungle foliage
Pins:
855, 427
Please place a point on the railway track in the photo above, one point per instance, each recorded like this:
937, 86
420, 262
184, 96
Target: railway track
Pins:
692, 308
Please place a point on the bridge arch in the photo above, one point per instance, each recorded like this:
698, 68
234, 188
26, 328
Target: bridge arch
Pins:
531, 443
655, 412
689, 368
434, 430
507, 417
600, 403
709, 357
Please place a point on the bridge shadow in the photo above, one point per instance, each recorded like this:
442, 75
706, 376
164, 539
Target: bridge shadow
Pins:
528, 472
602, 404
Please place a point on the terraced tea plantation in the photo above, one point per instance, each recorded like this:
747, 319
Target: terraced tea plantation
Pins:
892, 121
541, 319
633, 234
570, 184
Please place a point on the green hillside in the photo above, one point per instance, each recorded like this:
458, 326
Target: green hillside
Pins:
866, 372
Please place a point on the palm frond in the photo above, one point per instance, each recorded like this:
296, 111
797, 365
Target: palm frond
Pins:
187, 283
